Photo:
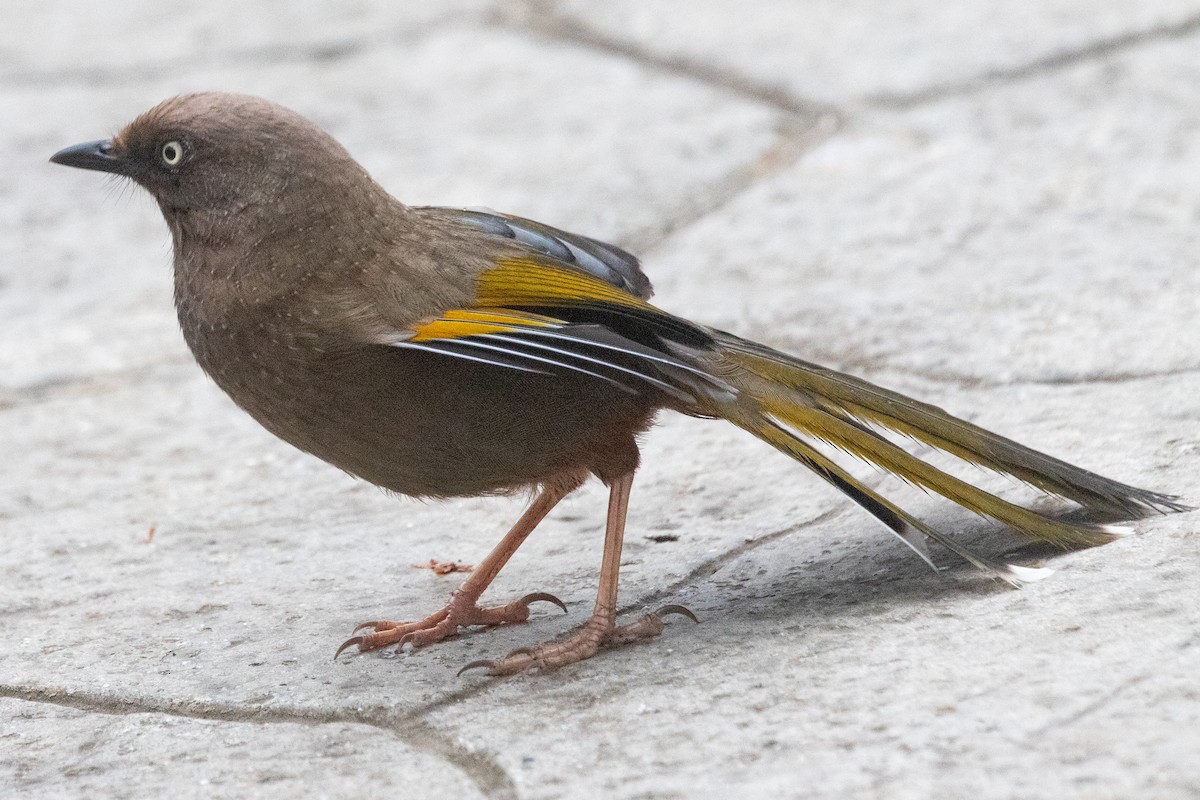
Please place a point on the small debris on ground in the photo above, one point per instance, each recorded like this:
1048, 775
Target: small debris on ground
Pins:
444, 567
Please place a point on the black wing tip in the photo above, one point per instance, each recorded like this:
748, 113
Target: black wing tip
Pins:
1138, 504
1145, 503
1166, 503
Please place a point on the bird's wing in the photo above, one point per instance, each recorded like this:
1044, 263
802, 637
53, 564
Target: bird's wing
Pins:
538, 315
541, 316
605, 261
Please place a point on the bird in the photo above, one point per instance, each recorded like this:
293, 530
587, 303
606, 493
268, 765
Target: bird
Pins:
449, 352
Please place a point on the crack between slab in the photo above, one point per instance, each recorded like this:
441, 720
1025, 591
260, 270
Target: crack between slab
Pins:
1091, 708
794, 139
805, 124
706, 569
274, 55
541, 17
976, 382
1045, 65
409, 728
1119, 377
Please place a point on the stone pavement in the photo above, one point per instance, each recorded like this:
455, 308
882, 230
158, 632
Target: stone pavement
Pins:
994, 206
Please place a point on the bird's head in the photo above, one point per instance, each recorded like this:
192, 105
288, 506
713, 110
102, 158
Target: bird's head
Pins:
219, 156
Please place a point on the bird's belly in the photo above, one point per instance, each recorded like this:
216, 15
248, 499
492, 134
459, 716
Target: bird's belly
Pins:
429, 425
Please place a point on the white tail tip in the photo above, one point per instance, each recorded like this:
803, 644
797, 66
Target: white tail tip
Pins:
1017, 575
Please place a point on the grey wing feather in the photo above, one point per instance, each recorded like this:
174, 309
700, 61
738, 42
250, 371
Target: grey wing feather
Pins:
600, 259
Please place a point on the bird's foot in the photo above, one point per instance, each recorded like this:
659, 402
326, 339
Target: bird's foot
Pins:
461, 611
597, 632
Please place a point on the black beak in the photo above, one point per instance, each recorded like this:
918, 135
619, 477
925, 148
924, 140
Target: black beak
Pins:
96, 155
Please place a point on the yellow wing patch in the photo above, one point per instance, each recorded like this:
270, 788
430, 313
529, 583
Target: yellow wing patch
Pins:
527, 282
456, 323
522, 282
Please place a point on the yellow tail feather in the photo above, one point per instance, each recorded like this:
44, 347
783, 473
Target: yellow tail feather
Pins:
785, 401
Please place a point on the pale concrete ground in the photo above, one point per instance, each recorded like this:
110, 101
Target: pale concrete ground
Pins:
994, 206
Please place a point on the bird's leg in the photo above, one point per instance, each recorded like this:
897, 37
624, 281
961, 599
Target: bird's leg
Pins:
601, 629
463, 608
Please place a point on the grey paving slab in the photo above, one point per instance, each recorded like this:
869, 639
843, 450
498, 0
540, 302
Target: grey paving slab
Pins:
61, 39
861, 675
1024, 257
828, 661
572, 137
841, 52
1041, 231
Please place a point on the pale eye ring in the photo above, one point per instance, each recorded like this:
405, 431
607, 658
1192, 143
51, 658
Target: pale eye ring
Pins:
171, 153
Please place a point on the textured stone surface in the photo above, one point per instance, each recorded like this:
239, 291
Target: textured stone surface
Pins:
46, 748
71, 41
1023, 254
859, 51
1041, 231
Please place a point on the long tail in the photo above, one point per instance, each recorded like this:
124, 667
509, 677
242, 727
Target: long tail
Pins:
790, 403
533, 315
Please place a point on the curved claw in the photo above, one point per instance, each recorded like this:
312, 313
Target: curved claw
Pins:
364, 626
351, 641
543, 596
407, 638
522, 651
503, 666
676, 609
490, 665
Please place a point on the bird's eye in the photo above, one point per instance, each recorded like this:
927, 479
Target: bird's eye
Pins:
172, 153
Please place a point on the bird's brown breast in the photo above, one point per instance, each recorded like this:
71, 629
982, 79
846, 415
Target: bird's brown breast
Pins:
417, 423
